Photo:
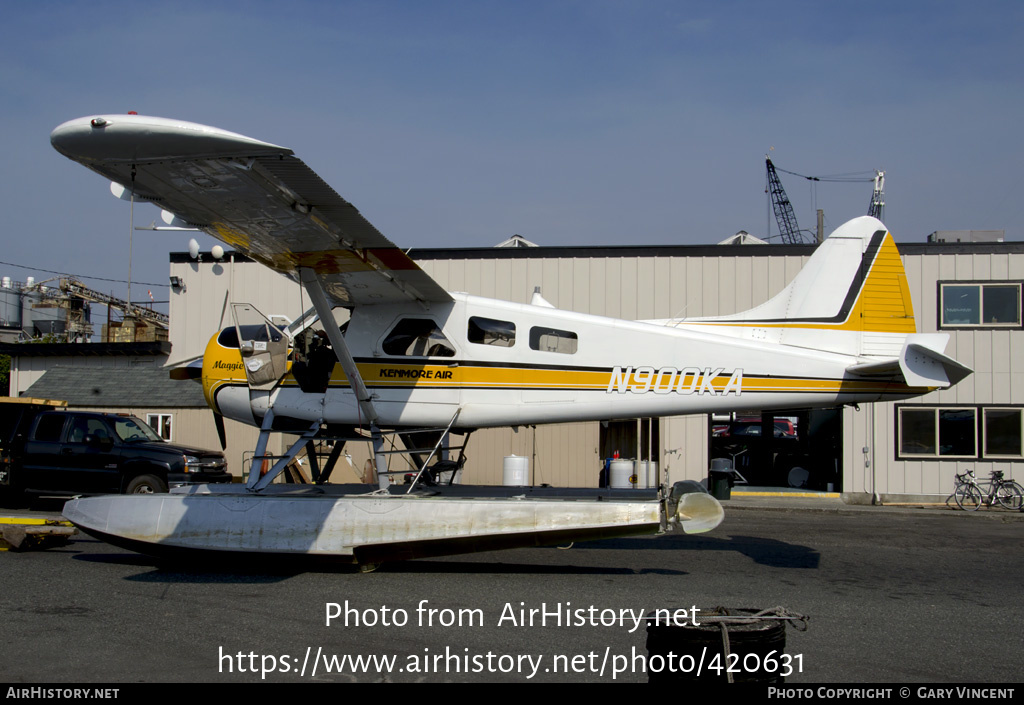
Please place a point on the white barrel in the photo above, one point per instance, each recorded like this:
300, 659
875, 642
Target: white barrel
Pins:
647, 475
515, 471
619, 474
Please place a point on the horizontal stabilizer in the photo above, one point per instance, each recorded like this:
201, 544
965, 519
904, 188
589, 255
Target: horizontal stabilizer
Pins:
191, 368
921, 363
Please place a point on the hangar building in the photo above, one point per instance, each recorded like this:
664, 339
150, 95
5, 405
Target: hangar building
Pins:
900, 451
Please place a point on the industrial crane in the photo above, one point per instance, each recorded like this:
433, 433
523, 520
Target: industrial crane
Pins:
875, 210
789, 231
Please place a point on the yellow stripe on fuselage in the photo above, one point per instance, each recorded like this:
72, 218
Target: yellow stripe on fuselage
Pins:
384, 376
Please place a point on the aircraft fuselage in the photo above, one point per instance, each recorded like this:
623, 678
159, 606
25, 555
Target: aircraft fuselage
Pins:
507, 364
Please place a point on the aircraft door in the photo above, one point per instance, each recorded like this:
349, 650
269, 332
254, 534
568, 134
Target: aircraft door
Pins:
263, 345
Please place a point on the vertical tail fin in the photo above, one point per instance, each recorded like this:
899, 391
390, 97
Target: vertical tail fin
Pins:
851, 297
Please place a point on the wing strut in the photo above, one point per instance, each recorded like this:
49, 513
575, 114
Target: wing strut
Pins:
313, 287
323, 309
261, 449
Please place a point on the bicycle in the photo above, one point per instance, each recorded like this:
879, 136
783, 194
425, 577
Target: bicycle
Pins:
969, 495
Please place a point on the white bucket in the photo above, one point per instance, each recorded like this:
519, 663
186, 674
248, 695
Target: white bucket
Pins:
515, 471
647, 475
619, 474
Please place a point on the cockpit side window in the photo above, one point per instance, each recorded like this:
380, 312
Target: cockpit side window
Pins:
417, 337
228, 337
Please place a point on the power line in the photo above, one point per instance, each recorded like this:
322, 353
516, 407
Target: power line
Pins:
850, 178
79, 276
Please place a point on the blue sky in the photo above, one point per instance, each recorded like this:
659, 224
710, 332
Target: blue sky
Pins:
569, 122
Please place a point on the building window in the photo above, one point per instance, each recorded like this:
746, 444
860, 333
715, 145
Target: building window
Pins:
487, 331
954, 433
937, 432
161, 423
980, 305
553, 340
1002, 433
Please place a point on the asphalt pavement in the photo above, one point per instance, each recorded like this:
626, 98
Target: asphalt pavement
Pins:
893, 594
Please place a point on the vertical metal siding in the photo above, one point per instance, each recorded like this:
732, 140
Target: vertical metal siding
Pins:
654, 287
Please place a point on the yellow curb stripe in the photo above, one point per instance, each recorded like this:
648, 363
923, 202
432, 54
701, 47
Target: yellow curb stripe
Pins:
35, 521
810, 495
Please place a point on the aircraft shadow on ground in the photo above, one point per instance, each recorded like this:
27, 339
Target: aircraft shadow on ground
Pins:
271, 569
513, 568
276, 570
244, 569
764, 551
207, 570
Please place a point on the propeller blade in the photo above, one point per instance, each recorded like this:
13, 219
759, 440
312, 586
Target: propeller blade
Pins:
218, 420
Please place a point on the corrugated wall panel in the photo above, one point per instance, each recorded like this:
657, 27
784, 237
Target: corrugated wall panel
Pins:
629, 305
598, 286
488, 278
758, 280
582, 283
456, 276
694, 288
613, 292
927, 306
743, 299
549, 282
441, 274
678, 289
503, 280
474, 277
534, 277
645, 292
981, 266
662, 288
711, 287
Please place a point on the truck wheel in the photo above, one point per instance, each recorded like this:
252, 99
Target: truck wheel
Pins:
145, 484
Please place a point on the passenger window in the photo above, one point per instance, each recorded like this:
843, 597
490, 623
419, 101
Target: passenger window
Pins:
79, 430
417, 337
84, 426
49, 427
553, 340
487, 331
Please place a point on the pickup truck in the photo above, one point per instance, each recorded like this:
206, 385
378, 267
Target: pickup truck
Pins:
79, 452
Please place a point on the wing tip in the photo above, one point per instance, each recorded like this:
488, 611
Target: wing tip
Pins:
142, 138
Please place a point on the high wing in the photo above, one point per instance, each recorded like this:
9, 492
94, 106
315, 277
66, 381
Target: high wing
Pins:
254, 196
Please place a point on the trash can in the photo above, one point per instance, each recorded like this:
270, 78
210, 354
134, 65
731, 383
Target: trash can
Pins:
720, 478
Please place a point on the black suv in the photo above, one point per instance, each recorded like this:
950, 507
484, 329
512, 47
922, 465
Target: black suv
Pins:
75, 452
